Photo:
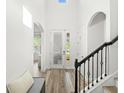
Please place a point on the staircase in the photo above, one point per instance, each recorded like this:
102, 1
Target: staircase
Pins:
92, 71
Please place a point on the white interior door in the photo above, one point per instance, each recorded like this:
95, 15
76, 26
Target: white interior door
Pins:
58, 49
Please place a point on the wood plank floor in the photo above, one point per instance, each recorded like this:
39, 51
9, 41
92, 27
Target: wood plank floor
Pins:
55, 81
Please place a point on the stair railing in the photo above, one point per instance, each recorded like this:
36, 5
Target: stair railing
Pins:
89, 62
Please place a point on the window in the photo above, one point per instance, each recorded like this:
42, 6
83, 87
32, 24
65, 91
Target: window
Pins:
27, 18
62, 1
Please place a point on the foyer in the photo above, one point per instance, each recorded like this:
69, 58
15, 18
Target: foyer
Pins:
62, 46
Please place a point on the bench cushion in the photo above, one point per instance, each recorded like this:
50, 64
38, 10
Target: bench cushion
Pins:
22, 84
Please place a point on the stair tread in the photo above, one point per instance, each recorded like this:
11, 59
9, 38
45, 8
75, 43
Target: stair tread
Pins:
111, 89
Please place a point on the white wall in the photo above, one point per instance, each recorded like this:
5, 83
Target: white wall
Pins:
61, 16
95, 36
19, 38
113, 58
87, 10
114, 32
36, 8
74, 17
19, 42
114, 18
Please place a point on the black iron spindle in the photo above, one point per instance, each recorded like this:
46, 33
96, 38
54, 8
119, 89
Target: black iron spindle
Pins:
88, 73
79, 79
97, 67
84, 79
108, 58
92, 70
76, 78
106, 61
101, 63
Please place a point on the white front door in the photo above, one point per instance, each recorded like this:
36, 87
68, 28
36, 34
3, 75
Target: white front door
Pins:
58, 49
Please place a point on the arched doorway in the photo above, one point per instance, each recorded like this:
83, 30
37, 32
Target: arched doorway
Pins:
96, 31
38, 45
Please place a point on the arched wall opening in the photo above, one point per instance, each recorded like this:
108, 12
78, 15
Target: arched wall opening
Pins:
38, 45
96, 36
96, 31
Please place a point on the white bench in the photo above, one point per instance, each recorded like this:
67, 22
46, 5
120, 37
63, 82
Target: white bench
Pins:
27, 84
